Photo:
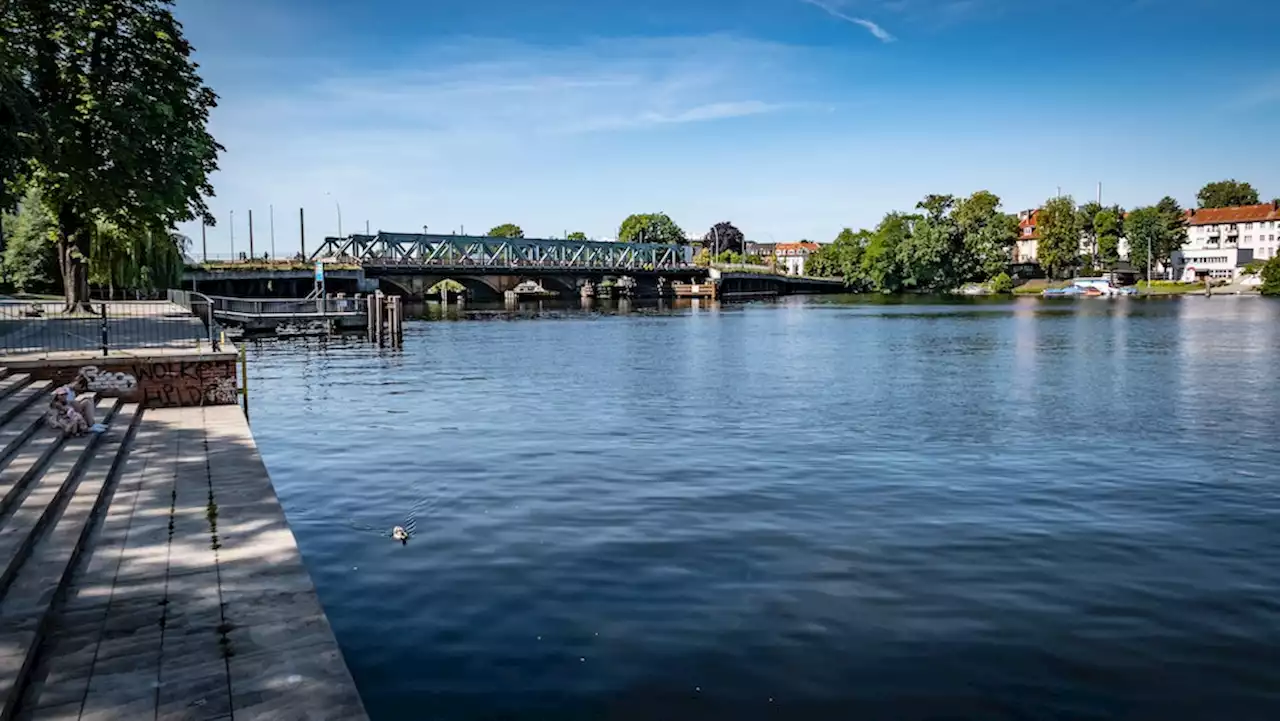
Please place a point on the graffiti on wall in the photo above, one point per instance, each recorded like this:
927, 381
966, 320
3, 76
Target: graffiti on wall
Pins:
187, 383
109, 382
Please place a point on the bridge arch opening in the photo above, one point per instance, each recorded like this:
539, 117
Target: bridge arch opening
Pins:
427, 287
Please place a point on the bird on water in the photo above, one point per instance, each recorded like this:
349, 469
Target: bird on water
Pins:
400, 534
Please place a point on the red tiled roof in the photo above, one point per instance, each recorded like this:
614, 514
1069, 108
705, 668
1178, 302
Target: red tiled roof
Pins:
1029, 223
1236, 214
805, 245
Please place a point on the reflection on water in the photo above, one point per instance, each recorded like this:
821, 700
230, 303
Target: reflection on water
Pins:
809, 508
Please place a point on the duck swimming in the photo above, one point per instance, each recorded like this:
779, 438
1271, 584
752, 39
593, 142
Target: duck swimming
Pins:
400, 535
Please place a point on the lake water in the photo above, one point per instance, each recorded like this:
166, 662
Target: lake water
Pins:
820, 508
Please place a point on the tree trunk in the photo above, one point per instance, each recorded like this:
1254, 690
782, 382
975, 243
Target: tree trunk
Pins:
73, 261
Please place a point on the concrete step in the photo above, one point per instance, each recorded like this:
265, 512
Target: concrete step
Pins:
20, 399
29, 606
23, 527
11, 383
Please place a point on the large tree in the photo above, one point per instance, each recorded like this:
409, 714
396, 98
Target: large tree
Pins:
1173, 224
576, 235
124, 259
1106, 226
121, 113
650, 228
1059, 230
987, 236
1226, 193
881, 265
724, 237
1146, 230
1086, 215
841, 258
506, 230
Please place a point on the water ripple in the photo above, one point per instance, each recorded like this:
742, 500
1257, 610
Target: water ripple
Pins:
805, 510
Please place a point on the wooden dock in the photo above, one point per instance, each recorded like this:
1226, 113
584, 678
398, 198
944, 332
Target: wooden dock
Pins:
149, 572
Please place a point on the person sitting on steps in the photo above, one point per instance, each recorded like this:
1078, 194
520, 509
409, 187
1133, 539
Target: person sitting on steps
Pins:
71, 414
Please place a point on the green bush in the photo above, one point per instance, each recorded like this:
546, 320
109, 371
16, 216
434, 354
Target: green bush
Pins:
1001, 283
1271, 277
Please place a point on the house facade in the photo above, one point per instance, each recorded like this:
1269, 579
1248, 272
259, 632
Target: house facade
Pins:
792, 256
1026, 248
1221, 241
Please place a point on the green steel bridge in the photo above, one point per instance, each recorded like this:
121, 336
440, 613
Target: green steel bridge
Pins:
479, 254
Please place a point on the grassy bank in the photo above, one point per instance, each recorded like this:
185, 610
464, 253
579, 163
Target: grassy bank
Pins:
1168, 287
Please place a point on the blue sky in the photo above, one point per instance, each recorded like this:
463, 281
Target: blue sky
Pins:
791, 118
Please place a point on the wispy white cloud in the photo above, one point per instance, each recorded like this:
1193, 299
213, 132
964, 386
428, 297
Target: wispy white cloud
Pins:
473, 124
880, 33
1258, 95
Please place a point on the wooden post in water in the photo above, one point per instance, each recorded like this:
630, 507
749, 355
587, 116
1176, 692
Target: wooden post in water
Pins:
399, 321
368, 315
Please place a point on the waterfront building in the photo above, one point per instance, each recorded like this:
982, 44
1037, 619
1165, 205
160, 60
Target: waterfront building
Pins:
792, 256
1026, 247
1221, 241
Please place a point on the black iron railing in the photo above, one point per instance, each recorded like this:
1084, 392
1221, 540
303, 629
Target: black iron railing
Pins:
42, 327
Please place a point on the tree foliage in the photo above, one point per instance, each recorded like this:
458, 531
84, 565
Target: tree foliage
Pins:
576, 235
988, 236
1086, 215
650, 228
133, 259
1226, 193
119, 114
1147, 228
841, 258
1106, 226
724, 236
1059, 228
1001, 283
1271, 277
506, 230
30, 260
951, 242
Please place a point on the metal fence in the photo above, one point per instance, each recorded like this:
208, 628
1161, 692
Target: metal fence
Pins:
43, 327
326, 305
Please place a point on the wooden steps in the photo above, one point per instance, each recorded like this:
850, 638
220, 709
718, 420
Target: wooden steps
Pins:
50, 489
17, 401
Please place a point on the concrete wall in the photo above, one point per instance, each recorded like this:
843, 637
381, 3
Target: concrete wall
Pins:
157, 382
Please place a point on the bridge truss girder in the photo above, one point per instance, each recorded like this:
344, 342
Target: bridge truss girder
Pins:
473, 252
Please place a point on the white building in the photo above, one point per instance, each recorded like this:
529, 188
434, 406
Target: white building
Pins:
792, 256
1221, 241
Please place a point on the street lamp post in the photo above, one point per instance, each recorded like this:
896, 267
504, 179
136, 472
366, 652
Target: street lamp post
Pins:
339, 208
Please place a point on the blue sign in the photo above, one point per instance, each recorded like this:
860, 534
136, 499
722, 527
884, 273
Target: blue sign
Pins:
319, 271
